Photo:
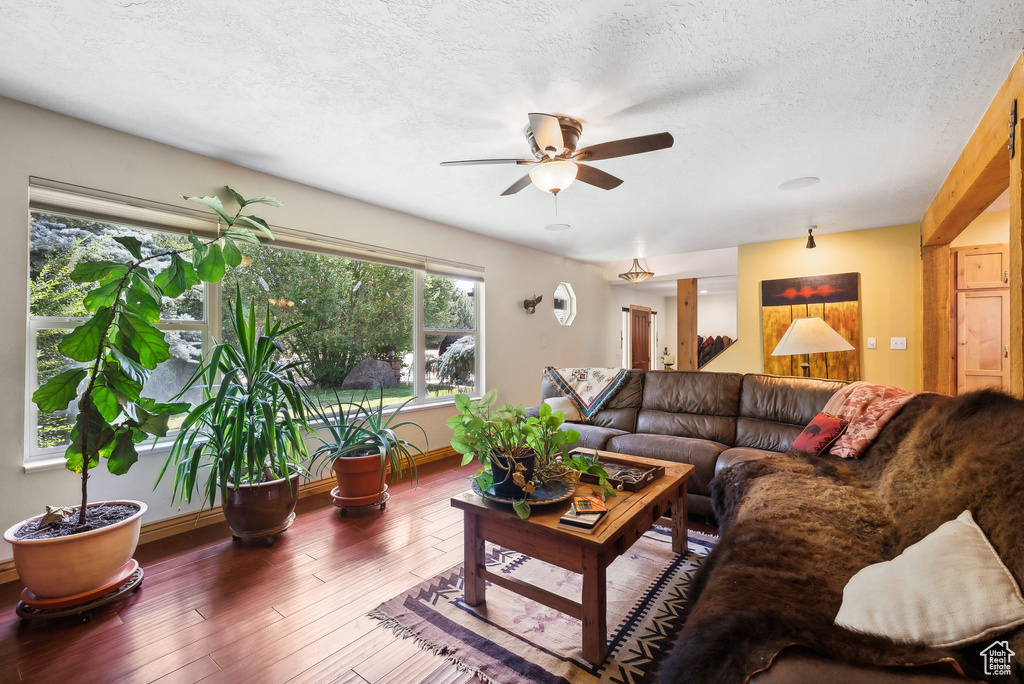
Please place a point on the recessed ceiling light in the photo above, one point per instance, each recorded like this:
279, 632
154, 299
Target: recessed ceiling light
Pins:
703, 291
557, 226
798, 183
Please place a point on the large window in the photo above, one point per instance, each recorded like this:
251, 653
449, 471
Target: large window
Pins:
449, 333
55, 308
364, 323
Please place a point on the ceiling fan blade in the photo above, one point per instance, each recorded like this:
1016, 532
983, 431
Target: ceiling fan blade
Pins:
597, 177
547, 132
624, 147
477, 162
517, 186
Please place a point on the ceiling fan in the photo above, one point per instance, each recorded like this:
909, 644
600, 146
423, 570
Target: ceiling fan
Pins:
557, 162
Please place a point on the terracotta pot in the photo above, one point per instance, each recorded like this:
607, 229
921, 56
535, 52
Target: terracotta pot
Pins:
68, 566
359, 479
503, 484
261, 510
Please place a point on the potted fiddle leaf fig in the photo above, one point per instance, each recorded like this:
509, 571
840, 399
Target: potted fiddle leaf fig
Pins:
72, 551
245, 441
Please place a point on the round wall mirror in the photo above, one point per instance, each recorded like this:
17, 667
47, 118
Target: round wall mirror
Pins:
565, 304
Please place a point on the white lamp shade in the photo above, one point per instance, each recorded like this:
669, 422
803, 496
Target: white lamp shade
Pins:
553, 176
810, 335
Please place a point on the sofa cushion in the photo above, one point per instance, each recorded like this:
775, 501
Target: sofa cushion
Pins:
693, 404
570, 413
702, 454
820, 434
949, 589
774, 410
593, 436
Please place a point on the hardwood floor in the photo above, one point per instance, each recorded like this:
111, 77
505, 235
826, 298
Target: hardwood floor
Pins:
211, 610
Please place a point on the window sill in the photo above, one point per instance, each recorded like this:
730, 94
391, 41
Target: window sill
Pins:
56, 461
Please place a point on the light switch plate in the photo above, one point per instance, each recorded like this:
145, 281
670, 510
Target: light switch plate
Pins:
871, 343
897, 343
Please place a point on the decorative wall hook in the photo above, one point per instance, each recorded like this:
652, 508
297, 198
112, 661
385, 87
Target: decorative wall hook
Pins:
531, 304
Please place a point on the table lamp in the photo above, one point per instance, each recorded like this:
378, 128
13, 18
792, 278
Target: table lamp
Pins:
810, 335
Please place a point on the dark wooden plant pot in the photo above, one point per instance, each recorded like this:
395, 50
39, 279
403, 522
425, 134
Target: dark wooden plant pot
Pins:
503, 484
263, 510
359, 480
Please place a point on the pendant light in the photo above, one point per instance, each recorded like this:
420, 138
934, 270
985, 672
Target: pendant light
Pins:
636, 274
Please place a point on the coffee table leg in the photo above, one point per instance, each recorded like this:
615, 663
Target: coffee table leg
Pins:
595, 627
679, 522
474, 561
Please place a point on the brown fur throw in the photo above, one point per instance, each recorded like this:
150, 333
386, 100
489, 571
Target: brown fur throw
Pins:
795, 528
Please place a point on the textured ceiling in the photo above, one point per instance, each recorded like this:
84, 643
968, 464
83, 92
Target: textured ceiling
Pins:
875, 97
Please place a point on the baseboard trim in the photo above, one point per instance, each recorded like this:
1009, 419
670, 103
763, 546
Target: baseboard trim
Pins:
186, 522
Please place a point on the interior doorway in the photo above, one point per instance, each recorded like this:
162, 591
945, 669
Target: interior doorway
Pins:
640, 337
981, 316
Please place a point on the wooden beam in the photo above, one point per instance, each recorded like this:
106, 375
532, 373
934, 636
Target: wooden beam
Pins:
686, 323
979, 175
1017, 259
938, 360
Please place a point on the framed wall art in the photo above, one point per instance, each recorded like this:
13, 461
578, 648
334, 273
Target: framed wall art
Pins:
835, 298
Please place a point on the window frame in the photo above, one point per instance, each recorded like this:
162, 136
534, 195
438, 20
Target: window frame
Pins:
419, 355
61, 199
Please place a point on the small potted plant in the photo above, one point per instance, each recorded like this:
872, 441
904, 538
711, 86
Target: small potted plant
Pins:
248, 432
363, 448
517, 454
77, 551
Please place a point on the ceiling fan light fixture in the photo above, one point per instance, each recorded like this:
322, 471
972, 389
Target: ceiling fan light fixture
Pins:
636, 273
553, 176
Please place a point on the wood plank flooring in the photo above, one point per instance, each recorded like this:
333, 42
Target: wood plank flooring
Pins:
211, 610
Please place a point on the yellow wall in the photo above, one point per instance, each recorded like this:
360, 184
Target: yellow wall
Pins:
889, 263
990, 228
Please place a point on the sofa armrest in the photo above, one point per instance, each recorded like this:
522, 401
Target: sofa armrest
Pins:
731, 457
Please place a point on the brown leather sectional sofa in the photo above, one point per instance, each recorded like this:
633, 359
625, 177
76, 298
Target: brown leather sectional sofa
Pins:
709, 420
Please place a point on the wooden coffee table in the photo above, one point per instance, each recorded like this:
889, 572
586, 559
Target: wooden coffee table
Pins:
629, 516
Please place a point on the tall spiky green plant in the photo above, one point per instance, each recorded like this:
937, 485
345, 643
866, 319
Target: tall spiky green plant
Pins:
249, 427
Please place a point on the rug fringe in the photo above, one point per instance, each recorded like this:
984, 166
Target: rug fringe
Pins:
398, 629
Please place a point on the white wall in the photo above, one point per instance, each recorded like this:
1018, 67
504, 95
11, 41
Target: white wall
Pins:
716, 315
36, 142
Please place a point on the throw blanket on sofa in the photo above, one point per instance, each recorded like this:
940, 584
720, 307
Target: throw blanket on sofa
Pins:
588, 388
867, 408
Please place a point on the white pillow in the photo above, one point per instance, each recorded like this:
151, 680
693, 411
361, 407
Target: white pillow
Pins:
949, 589
570, 413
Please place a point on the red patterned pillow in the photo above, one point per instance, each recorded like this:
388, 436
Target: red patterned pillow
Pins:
820, 434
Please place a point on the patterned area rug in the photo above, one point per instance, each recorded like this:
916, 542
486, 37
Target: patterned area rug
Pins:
512, 640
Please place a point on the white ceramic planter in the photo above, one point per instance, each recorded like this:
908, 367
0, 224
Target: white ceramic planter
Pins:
69, 566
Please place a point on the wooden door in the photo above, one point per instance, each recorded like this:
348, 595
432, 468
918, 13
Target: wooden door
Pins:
982, 267
983, 340
640, 337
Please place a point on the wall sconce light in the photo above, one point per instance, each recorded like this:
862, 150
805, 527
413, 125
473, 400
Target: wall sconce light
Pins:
531, 304
810, 237
636, 274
